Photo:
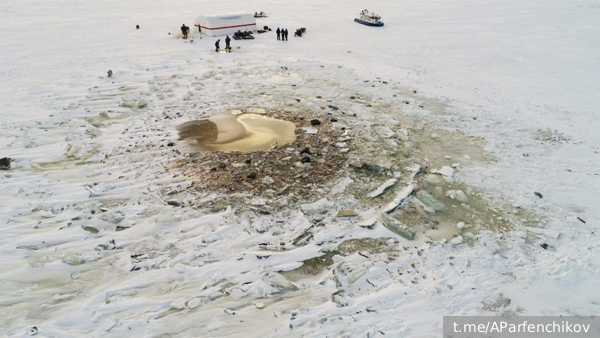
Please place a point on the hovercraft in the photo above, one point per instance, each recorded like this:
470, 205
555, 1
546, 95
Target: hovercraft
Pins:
260, 14
369, 19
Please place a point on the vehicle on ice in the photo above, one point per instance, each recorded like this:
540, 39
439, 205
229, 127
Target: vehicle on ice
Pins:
369, 19
300, 31
260, 14
239, 35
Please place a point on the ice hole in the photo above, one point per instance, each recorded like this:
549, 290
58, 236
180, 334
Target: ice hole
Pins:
242, 133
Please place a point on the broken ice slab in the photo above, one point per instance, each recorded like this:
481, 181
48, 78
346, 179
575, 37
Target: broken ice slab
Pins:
310, 130
415, 169
400, 198
319, 207
551, 234
446, 171
345, 213
458, 195
430, 201
382, 188
383, 132
397, 227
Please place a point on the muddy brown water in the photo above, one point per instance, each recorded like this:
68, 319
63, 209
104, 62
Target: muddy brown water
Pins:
244, 133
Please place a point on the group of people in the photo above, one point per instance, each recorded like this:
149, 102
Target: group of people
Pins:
227, 44
282, 34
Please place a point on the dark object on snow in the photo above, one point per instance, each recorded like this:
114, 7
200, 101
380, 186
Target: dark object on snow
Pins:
217, 45
170, 144
32, 331
278, 31
544, 246
203, 131
185, 30
582, 221
174, 203
239, 35
5, 163
305, 151
373, 168
260, 14
252, 176
538, 194
109, 73
306, 159
300, 31
333, 107
137, 26
227, 42
315, 122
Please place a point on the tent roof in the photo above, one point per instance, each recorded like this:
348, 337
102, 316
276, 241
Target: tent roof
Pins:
228, 19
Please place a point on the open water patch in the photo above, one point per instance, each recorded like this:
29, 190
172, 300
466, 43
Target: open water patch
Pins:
244, 133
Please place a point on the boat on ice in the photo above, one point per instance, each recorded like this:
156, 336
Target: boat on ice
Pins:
369, 19
260, 14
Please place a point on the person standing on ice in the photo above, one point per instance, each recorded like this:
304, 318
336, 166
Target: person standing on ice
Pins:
286, 34
227, 42
184, 30
278, 32
217, 45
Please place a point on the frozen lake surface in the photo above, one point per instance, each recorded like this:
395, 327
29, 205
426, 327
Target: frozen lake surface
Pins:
454, 169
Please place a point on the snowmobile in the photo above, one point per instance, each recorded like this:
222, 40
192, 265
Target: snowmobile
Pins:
260, 14
369, 19
299, 32
239, 35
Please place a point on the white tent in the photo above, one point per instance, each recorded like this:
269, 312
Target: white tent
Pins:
224, 24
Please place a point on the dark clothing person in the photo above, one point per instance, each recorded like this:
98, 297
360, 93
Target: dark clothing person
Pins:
227, 42
278, 32
286, 34
217, 45
184, 30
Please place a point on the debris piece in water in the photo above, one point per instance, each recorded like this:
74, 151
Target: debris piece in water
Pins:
582, 221
538, 194
544, 246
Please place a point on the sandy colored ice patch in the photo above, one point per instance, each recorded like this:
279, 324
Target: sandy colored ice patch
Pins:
245, 133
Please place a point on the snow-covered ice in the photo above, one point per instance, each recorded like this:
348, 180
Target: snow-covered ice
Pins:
103, 231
